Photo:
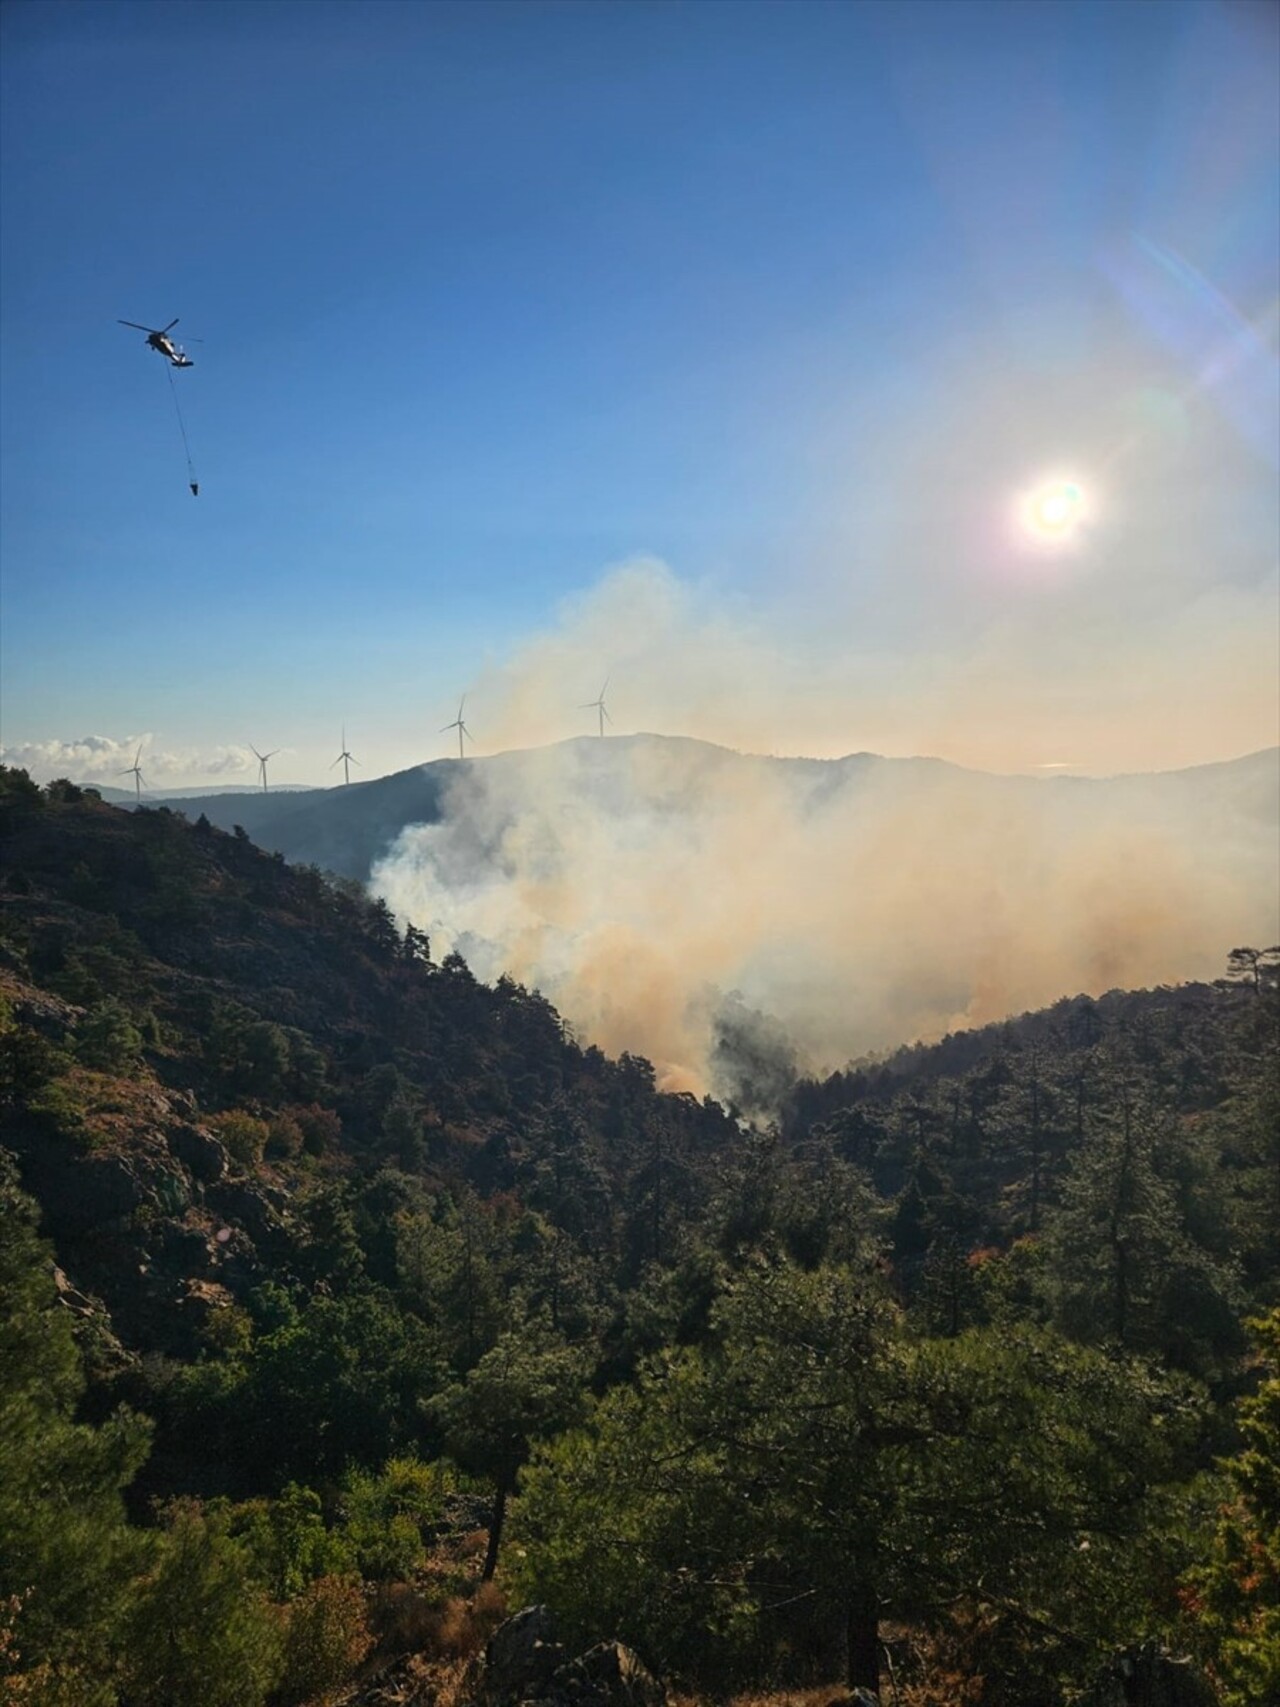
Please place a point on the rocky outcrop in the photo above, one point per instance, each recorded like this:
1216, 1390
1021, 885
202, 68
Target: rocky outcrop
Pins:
255, 1208
518, 1662
608, 1675
199, 1151
83, 1194
524, 1665
155, 1227
44, 1012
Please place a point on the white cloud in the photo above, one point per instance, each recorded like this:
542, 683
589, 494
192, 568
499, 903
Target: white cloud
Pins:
106, 759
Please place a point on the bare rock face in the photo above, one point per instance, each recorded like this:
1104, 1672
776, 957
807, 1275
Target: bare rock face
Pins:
199, 1151
523, 1665
608, 1675
518, 1661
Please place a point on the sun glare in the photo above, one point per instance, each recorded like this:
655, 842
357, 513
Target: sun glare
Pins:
1053, 511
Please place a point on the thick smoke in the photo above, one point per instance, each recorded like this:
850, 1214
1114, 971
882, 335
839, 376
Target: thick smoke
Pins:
717, 911
666, 894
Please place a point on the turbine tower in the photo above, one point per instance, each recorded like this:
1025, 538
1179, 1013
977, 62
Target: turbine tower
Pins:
135, 771
262, 762
598, 705
460, 726
344, 758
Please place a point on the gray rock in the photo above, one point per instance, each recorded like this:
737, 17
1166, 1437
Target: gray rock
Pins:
518, 1661
248, 1206
608, 1675
71, 1298
103, 1190
185, 1250
198, 1151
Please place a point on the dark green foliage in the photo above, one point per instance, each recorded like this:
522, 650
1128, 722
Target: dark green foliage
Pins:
27, 1063
107, 1038
65, 1549
338, 1384
815, 1458
199, 1620
1121, 1256
529, 1385
1234, 1599
871, 1371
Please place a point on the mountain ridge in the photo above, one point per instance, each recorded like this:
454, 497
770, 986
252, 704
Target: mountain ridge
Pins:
335, 828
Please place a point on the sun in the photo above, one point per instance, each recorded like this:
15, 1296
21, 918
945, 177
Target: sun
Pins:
1053, 511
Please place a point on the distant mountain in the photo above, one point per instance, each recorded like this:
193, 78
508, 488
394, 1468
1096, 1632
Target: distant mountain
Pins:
347, 829
733, 916
128, 796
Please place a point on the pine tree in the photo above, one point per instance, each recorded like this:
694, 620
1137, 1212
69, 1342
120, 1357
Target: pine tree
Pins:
66, 1552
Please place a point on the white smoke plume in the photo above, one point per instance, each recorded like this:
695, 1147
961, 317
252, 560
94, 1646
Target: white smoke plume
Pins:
652, 886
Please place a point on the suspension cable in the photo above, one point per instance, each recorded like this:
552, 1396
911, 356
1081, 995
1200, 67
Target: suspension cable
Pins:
182, 428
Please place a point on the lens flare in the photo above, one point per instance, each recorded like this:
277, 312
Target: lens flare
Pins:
1052, 512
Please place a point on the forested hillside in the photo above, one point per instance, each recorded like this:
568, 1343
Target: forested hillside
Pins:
344, 1297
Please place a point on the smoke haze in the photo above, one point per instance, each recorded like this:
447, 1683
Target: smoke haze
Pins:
684, 902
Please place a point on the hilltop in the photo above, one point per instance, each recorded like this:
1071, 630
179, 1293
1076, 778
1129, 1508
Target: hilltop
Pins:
362, 1240
348, 828
817, 909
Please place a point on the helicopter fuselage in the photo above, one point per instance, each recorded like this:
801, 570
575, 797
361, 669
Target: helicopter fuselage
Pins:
161, 342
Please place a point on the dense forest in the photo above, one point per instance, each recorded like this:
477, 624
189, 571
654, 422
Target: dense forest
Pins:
346, 1301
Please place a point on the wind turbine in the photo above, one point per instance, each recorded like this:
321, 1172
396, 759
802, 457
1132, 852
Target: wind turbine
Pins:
344, 758
598, 705
135, 771
262, 761
460, 726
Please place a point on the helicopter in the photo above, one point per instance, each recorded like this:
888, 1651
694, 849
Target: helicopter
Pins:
162, 342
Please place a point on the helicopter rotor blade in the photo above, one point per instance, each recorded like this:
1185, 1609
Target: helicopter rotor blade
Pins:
171, 325
135, 325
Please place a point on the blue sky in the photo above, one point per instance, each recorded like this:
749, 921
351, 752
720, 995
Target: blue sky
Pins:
783, 303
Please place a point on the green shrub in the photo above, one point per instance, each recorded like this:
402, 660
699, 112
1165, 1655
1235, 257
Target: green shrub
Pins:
321, 1128
200, 1618
107, 1039
288, 1541
385, 1513
243, 1134
284, 1137
326, 1638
